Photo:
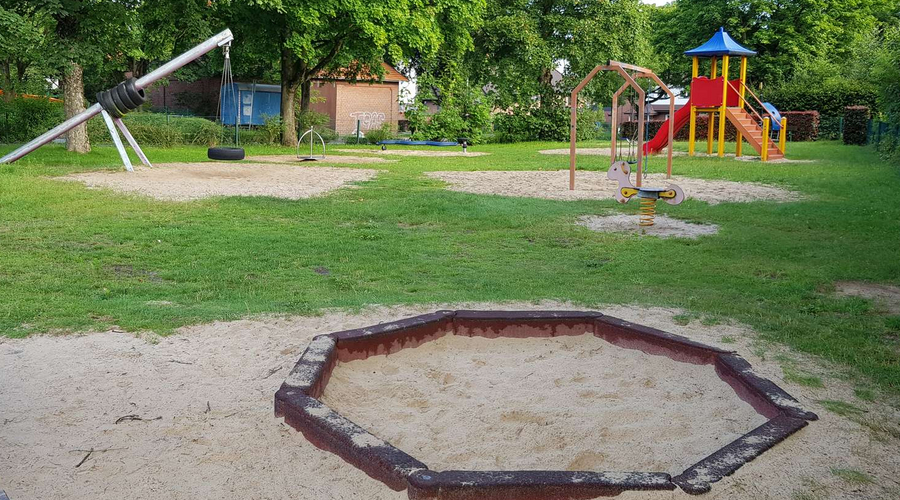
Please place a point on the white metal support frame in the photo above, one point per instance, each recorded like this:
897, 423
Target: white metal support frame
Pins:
116, 140
219, 40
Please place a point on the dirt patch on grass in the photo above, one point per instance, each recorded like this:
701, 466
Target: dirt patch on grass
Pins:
886, 297
663, 227
213, 385
589, 185
415, 152
598, 152
329, 159
193, 181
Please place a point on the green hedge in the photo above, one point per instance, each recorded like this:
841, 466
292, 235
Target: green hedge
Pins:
24, 119
155, 129
856, 125
802, 125
828, 98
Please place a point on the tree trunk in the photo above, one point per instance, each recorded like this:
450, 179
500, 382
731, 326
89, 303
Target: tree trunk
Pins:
288, 117
73, 93
288, 94
305, 94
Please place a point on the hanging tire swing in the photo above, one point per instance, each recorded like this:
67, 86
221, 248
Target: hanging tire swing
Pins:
228, 86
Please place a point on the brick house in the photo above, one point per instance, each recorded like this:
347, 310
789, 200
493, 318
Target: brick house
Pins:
369, 104
345, 103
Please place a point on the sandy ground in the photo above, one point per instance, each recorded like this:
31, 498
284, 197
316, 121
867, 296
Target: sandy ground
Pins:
600, 152
213, 386
567, 403
329, 160
438, 151
886, 297
590, 185
192, 181
663, 227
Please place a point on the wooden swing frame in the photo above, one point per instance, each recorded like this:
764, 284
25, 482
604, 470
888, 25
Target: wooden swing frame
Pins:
630, 81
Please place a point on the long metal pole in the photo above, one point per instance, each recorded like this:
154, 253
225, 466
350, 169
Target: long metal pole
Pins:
161, 72
175, 64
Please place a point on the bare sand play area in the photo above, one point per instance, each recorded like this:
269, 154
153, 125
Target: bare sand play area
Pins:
415, 152
193, 181
663, 227
190, 416
590, 185
329, 159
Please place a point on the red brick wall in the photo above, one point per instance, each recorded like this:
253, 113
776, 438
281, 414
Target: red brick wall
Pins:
371, 104
199, 97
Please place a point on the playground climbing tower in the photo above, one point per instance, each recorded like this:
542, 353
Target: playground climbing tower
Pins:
733, 100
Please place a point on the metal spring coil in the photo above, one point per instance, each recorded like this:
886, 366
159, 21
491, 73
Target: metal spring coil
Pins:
647, 212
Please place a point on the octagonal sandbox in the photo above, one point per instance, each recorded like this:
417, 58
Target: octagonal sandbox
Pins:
298, 402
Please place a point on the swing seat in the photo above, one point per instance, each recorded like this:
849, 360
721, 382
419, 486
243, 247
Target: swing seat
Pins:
230, 154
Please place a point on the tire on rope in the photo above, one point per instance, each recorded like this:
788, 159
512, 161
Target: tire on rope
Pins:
230, 154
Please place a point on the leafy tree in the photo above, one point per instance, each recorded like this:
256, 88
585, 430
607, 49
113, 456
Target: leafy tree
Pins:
347, 38
523, 41
786, 35
23, 39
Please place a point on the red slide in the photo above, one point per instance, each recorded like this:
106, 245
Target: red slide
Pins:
661, 139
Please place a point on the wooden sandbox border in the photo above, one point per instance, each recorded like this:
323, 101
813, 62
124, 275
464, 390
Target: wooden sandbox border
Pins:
297, 401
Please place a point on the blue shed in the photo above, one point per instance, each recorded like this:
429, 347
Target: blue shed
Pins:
255, 102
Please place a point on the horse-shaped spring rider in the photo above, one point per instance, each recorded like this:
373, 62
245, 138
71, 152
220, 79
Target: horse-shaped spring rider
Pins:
620, 172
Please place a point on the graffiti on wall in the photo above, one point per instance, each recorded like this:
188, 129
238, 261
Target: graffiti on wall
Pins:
368, 120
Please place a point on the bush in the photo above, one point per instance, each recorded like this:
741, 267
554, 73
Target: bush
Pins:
856, 123
155, 129
591, 125
451, 122
377, 135
802, 125
272, 127
828, 97
309, 118
548, 123
829, 127
24, 119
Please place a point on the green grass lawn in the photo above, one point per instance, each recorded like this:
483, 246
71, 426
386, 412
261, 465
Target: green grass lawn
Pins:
76, 259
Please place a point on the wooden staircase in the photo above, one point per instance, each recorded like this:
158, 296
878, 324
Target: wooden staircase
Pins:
752, 131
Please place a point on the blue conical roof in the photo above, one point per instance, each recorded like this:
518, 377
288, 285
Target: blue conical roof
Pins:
721, 44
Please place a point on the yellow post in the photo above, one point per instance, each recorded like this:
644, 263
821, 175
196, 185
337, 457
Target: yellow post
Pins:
721, 146
712, 116
692, 131
743, 77
782, 134
692, 134
764, 153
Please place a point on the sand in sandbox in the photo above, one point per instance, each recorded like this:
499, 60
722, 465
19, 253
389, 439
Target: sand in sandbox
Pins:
599, 152
564, 403
590, 185
214, 384
663, 226
329, 159
414, 152
192, 181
